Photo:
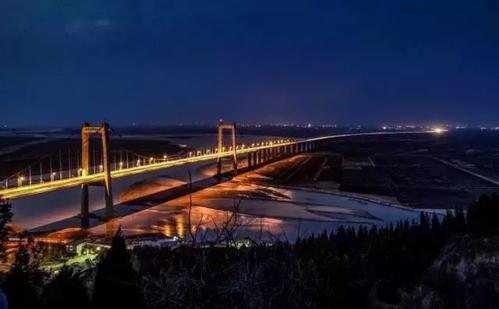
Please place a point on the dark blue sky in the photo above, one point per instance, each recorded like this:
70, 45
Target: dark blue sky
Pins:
63, 62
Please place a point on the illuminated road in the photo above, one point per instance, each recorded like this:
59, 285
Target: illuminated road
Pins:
39, 188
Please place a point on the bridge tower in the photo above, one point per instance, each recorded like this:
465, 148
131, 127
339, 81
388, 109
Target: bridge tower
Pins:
86, 132
221, 127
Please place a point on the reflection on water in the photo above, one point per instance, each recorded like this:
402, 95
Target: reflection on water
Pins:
263, 212
206, 223
300, 214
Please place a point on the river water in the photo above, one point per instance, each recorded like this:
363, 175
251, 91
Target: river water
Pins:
249, 210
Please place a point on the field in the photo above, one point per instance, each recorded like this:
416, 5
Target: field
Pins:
412, 168
420, 171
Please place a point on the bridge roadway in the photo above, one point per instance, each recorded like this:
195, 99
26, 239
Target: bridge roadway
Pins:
34, 189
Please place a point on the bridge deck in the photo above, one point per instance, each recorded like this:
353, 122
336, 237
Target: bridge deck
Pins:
39, 188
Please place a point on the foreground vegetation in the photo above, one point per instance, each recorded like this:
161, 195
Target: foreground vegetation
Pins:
364, 268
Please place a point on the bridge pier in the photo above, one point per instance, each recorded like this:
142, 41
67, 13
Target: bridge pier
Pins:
249, 160
84, 206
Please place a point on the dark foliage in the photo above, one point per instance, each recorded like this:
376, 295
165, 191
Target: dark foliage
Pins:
5, 218
22, 282
451, 290
116, 281
483, 216
65, 290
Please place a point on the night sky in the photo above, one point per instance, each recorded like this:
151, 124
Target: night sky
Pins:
63, 62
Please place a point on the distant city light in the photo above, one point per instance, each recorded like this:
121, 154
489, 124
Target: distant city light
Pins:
439, 130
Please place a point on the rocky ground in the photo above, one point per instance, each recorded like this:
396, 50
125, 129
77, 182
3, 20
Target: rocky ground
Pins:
466, 275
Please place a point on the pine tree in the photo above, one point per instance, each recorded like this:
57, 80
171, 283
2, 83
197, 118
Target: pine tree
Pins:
5, 219
19, 285
483, 216
116, 281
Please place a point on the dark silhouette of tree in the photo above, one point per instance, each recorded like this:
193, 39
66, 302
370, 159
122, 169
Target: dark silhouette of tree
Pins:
22, 281
116, 281
65, 290
5, 219
483, 216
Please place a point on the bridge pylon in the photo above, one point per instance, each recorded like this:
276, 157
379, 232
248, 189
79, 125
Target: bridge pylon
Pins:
221, 127
86, 132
